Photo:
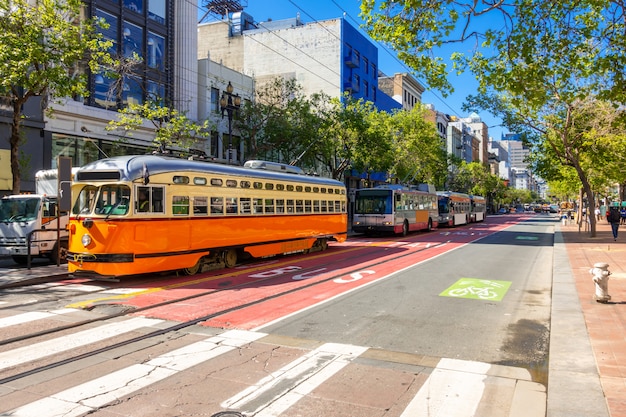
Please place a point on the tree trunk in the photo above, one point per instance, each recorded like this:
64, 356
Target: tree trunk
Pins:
15, 141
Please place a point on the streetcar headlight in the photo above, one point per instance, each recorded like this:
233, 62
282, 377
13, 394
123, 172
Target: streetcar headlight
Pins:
86, 239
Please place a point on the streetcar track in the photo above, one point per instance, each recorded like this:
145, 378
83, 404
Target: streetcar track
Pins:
189, 323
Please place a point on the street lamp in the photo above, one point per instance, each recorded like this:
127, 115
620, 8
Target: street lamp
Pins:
230, 104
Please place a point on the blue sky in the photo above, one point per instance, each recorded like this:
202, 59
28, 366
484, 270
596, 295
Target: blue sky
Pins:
312, 10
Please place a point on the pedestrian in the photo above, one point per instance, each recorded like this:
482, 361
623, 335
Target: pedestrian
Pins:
614, 217
623, 214
598, 213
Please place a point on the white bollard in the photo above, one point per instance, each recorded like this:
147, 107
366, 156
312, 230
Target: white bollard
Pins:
600, 272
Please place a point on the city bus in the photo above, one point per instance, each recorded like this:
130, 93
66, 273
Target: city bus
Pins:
198, 215
478, 208
454, 208
394, 209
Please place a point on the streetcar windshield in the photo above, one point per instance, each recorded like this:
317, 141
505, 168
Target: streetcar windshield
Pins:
107, 200
18, 209
373, 202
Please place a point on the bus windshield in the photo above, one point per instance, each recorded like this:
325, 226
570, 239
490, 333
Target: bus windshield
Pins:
18, 209
111, 199
373, 202
443, 205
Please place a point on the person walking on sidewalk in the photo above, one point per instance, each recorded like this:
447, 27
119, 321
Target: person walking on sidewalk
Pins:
614, 217
623, 214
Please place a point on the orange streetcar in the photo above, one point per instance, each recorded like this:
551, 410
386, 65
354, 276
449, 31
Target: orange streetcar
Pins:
143, 214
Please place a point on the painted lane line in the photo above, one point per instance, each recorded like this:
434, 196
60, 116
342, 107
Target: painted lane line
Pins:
454, 389
274, 394
32, 316
99, 392
61, 344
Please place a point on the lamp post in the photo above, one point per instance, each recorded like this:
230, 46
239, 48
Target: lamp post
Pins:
230, 104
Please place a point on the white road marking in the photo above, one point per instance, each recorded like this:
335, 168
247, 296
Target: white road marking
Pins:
453, 389
61, 344
31, 316
97, 393
274, 394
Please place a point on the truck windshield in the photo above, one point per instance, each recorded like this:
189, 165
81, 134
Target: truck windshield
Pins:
110, 199
22, 209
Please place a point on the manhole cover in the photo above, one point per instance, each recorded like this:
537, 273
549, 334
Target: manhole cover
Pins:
228, 414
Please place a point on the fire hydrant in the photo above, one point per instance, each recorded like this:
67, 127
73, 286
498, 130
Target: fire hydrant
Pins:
600, 272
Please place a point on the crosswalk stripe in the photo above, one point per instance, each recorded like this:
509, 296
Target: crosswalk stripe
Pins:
61, 344
31, 316
96, 393
453, 389
275, 393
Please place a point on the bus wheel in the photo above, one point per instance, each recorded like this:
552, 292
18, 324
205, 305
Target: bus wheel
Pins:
192, 270
230, 258
405, 228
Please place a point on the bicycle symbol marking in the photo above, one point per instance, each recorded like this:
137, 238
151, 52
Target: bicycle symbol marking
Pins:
480, 289
482, 293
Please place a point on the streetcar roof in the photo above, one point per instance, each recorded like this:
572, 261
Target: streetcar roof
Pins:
134, 167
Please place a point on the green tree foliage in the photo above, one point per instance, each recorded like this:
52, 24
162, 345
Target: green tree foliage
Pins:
172, 128
44, 48
537, 63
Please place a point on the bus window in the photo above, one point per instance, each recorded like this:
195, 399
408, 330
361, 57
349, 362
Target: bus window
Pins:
217, 205
180, 205
200, 206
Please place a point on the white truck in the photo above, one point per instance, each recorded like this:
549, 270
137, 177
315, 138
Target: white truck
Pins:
34, 215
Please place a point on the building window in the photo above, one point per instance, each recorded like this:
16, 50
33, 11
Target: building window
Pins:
134, 5
215, 100
131, 92
156, 11
132, 41
156, 48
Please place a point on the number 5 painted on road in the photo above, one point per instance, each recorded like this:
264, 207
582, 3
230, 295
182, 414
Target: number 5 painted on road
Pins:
355, 276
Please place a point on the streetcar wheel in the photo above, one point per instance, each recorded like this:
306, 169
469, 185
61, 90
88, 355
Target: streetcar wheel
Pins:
405, 228
192, 270
323, 244
230, 258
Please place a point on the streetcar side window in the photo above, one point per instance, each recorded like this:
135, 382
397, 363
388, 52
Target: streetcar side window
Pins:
244, 204
257, 205
269, 205
180, 205
217, 205
316, 206
307, 206
200, 206
280, 206
149, 200
231, 205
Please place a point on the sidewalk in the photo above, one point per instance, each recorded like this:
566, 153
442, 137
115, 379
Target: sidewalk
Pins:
604, 325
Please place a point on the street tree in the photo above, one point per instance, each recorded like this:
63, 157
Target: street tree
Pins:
535, 61
45, 48
172, 128
418, 152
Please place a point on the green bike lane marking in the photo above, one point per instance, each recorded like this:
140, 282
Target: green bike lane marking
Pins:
477, 289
